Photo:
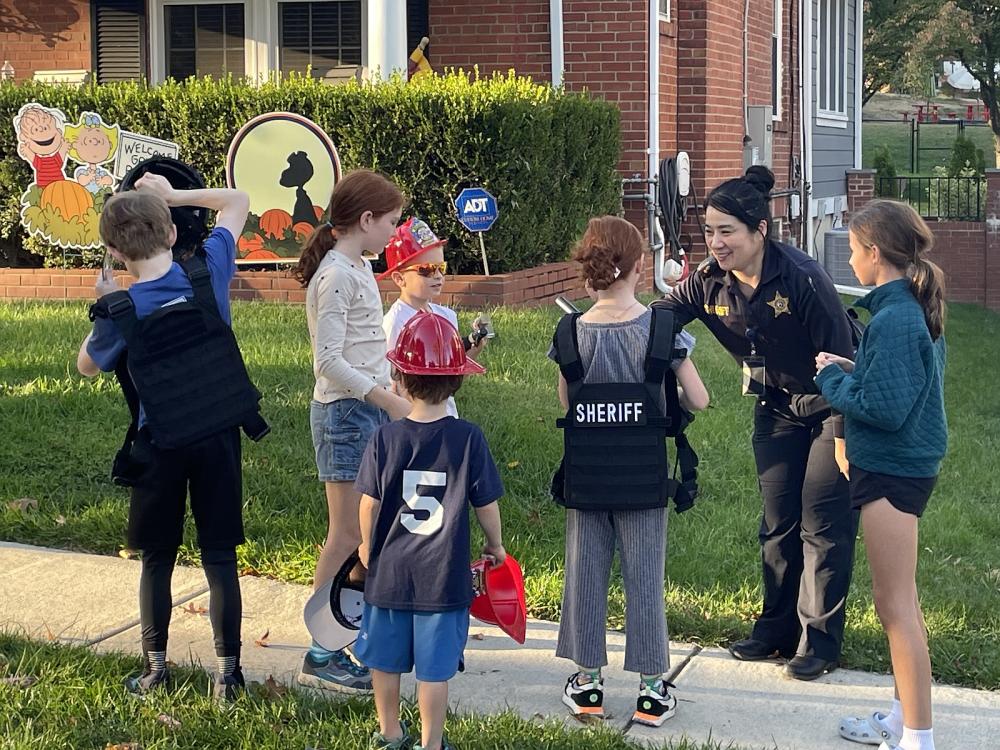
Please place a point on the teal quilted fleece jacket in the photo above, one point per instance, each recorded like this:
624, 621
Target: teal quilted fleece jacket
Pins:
893, 401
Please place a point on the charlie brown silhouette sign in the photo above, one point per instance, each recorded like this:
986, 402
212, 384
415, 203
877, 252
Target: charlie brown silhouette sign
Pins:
288, 166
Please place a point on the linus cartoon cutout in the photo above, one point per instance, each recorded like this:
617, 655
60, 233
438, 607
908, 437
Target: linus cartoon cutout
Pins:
62, 211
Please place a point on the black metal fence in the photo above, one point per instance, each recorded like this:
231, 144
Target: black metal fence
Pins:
943, 198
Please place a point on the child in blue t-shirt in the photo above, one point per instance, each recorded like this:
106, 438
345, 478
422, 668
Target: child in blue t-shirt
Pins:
418, 477
137, 229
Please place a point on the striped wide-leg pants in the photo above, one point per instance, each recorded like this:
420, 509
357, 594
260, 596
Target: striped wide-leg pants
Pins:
591, 538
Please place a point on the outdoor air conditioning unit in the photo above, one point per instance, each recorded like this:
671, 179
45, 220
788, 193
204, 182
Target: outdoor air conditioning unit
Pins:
837, 251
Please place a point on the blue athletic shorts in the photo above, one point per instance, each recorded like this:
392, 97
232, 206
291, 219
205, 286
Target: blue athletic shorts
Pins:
397, 640
340, 432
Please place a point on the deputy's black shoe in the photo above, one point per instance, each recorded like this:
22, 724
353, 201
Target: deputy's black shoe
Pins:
750, 649
808, 667
227, 688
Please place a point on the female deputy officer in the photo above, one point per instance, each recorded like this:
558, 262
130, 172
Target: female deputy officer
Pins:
774, 309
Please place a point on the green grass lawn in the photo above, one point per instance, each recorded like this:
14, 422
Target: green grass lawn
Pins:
896, 135
60, 432
78, 703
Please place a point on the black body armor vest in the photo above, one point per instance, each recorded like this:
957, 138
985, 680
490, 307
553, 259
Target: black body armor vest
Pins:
614, 434
186, 365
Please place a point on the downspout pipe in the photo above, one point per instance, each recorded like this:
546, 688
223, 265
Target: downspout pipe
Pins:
653, 150
806, 73
558, 53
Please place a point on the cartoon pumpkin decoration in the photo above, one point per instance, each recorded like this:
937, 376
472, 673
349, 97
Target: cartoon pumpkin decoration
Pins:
302, 230
69, 198
274, 222
250, 244
261, 254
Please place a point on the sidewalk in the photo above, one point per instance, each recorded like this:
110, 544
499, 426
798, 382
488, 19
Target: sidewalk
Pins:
92, 600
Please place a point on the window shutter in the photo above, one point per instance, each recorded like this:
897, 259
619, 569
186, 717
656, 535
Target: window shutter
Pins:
119, 40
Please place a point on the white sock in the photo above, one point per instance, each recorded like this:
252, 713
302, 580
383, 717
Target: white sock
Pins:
917, 739
894, 720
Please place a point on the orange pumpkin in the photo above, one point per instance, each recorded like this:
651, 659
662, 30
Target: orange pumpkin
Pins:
302, 230
318, 210
69, 198
250, 244
260, 254
274, 222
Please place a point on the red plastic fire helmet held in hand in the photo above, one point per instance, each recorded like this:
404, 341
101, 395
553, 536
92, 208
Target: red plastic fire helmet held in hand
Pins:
412, 238
500, 596
429, 345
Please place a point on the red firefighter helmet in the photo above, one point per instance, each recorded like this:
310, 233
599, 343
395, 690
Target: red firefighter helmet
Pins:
412, 238
429, 345
500, 596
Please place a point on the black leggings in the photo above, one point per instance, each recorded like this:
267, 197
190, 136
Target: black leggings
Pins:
225, 602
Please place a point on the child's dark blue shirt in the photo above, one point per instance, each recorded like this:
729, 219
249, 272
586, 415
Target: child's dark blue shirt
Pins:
425, 475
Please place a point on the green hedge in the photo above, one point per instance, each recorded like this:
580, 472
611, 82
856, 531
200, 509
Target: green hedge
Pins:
549, 157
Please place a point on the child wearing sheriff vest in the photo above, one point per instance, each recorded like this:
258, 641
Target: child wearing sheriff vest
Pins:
613, 337
137, 229
352, 395
418, 477
416, 264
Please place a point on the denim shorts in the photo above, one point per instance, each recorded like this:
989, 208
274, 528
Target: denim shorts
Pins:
397, 640
340, 432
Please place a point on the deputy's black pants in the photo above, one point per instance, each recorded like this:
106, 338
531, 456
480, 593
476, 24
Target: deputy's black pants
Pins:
806, 535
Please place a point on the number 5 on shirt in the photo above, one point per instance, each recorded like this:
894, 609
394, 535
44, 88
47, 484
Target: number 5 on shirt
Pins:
415, 501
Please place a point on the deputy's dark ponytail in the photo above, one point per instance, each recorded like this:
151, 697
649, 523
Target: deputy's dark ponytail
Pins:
902, 239
358, 192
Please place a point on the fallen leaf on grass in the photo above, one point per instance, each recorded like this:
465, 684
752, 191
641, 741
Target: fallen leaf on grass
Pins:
168, 721
23, 504
513, 464
262, 641
193, 609
477, 637
24, 682
60, 520
123, 746
274, 690
128, 554
49, 634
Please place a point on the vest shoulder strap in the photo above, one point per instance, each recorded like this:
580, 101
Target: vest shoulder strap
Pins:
661, 345
567, 352
196, 269
119, 308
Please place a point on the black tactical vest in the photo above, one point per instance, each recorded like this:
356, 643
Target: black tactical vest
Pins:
186, 365
614, 434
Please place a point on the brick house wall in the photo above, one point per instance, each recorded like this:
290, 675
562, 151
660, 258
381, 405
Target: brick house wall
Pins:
968, 252
45, 35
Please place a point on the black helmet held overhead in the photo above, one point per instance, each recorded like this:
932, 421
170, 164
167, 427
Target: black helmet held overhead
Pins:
191, 221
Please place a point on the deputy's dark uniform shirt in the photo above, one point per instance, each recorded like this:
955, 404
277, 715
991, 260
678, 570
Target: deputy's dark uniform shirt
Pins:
794, 313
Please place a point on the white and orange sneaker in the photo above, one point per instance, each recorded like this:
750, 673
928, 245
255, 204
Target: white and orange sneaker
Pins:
584, 695
655, 704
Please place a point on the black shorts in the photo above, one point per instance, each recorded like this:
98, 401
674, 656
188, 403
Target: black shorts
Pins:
211, 469
906, 494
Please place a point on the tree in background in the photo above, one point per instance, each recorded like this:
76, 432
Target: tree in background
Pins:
891, 30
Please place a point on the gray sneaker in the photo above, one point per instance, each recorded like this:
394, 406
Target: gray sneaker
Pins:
380, 742
148, 681
338, 673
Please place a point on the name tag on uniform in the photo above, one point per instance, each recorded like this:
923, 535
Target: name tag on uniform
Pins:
613, 413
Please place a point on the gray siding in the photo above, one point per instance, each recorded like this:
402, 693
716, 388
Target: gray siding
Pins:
832, 147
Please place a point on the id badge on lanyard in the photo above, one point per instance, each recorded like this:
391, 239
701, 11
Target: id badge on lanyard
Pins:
754, 371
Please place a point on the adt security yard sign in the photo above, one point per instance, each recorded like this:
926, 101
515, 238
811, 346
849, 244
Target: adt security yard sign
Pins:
477, 210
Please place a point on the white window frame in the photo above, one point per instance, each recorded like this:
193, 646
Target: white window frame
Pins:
827, 34
260, 29
777, 35
665, 13
274, 38
158, 30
